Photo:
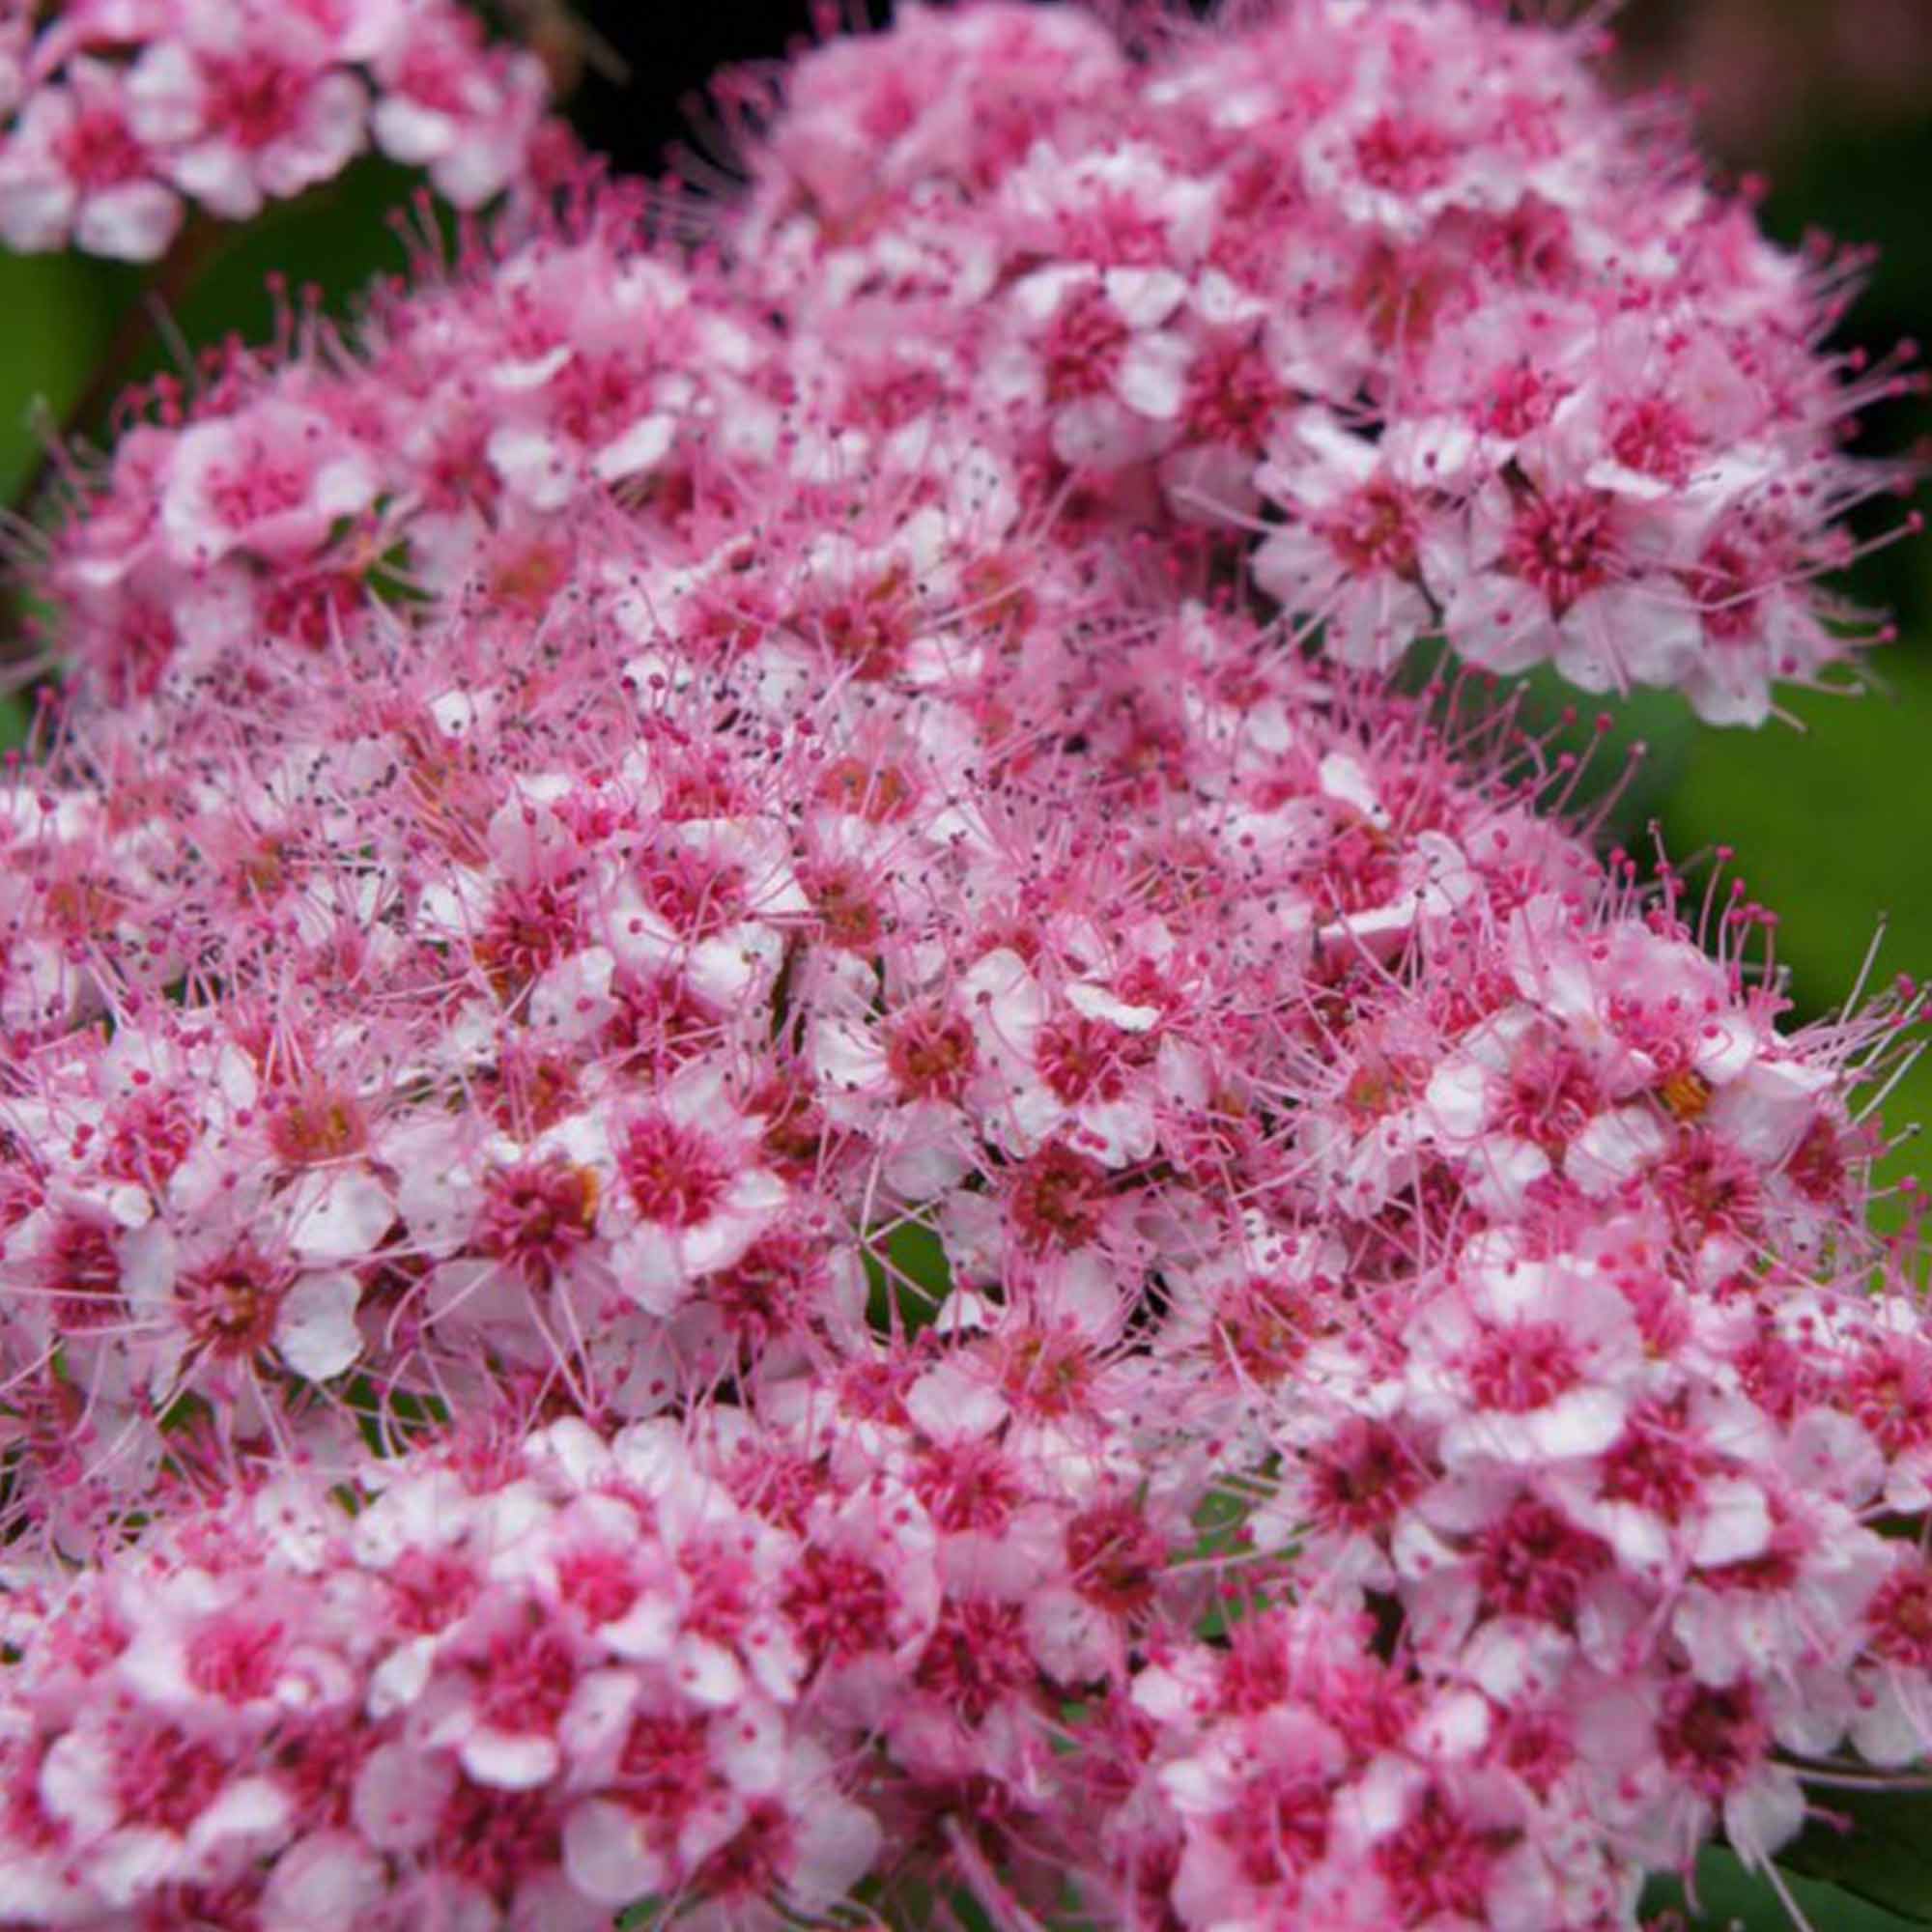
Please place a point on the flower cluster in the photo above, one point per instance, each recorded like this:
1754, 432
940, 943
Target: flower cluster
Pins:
770, 1138
121, 114
1469, 343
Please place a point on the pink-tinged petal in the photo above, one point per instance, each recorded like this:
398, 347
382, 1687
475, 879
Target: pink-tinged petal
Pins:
339, 1217
316, 1334
1152, 377
1735, 1523
252, 1812
1614, 1148
36, 212
165, 97
1100, 431
1499, 623
606, 1856
1145, 297
951, 1402
322, 1882
134, 223
533, 464
637, 451
510, 1763
400, 1796
1767, 1814
836, 1844
408, 132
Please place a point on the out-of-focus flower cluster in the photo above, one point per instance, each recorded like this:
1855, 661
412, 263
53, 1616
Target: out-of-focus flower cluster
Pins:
771, 1138
118, 116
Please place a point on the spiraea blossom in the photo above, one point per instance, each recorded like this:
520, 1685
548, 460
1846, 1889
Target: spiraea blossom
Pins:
119, 116
774, 1144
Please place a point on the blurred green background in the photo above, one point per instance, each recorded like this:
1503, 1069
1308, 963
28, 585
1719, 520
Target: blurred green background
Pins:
1830, 99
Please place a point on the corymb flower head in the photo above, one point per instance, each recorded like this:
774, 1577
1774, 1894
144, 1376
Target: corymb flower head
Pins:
775, 1142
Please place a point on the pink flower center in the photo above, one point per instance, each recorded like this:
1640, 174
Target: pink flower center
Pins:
537, 1214
1082, 1058
525, 1682
721, 1590
1713, 1740
976, 1653
1522, 1367
676, 1176
1374, 532
839, 1604
82, 1273
234, 1659
1727, 586
1438, 1864
1082, 347
1889, 1390
1562, 546
1520, 399
254, 99
1534, 1563
1402, 156
695, 893
321, 1124
1363, 1479
1057, 1198
594, 396
1900, 1617
769, 1291
1047, 1373
1653, 437
164, 1780
496, 1839
229, 1307
1263, 1330
931, 1056
666, 1767
600, 1584
967, 1485
1114, 229
1359, 868
529, 929
1278, 1826
1233, 397
1710, 1185
1552, 1096
433, 1590
97, 151
1656, 1466
435, 66
1113, 1557
252, 493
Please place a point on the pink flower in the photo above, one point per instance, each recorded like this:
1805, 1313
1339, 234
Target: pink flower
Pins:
448, 104
244, 114
272, 481
73, 167
1523, 1361
1352, 558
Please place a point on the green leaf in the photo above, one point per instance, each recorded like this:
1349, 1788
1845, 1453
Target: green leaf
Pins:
55, 322
909, 1274
1732, 1899
1830, 833
1883, 1855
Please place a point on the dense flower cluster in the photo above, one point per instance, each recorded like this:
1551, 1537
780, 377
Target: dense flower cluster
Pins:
770, 1138
1478, 346
116, 116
